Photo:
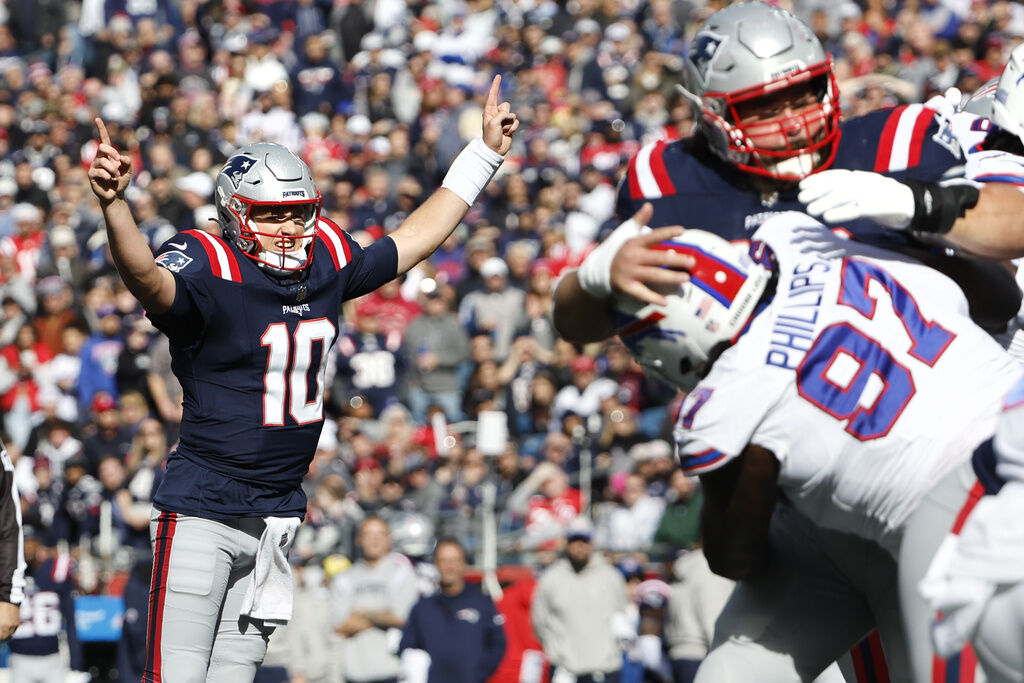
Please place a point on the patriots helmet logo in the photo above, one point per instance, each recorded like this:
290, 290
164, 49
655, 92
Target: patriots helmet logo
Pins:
236, 167
703, 51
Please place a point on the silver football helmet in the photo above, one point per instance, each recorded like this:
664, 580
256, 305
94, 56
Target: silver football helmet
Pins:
267, 174
412, 534
752, 57
679, 341
1002, 99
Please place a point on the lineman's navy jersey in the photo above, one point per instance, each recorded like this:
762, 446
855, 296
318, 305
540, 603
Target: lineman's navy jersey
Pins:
47, 609
696, 189
250, 351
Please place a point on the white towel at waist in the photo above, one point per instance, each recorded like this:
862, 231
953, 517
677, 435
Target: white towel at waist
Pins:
269, 596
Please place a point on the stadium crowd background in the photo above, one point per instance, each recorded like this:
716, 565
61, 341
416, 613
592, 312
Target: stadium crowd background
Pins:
379, 97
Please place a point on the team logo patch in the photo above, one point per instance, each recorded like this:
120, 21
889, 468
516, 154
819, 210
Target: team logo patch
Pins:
468, 614
173, 261
947, 138
237, 167
703, 52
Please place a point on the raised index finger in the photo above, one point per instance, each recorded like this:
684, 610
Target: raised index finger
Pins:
104, 135
492, 94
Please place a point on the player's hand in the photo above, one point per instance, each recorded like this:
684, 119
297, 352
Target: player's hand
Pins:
837, 196
945, 104
638, 267
111, 171
499, 121
10, 617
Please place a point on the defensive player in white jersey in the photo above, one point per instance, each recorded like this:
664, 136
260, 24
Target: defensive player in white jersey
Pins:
976, 580
860, 384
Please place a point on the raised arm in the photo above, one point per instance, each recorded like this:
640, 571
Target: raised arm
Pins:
427, 227
109, 176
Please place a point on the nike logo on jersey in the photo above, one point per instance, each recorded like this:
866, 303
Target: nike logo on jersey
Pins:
183, 245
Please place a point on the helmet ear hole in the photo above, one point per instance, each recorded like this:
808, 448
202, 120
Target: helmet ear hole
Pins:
685, 366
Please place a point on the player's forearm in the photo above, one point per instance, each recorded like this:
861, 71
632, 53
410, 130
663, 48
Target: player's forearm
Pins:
134, 260
994, 228
578, 316
427, 228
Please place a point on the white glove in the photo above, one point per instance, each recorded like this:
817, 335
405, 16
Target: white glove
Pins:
961, 599
945, 104
837, 196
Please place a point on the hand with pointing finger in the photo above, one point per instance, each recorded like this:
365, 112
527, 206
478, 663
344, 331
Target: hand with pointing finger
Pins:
499, 121
111, 171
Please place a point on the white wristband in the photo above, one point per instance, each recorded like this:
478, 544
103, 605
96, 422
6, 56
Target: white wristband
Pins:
595, 273
472, 170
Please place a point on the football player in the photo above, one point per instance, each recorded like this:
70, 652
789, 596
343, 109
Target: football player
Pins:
767, 105
251, 316
852, 381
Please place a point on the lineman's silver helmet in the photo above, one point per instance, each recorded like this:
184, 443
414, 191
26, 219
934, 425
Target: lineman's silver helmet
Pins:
267, 174
752, 56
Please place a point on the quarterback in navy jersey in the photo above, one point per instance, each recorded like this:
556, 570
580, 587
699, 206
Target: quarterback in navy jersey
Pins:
252, 316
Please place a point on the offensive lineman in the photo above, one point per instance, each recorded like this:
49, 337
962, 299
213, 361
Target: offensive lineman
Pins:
251, 318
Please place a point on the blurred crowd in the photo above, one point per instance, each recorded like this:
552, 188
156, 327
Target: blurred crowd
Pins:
450, 388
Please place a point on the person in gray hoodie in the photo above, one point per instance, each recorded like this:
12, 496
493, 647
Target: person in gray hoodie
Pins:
435, 344
578, 612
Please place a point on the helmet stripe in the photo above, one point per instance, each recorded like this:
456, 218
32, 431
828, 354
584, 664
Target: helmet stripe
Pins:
711, 274
222, 261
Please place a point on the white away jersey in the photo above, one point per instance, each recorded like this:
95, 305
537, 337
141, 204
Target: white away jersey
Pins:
864, 376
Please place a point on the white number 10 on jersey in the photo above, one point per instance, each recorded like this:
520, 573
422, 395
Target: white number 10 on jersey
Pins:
282, 384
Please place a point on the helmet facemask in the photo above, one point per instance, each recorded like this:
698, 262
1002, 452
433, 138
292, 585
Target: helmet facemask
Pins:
266, 182
799, 110
288, 253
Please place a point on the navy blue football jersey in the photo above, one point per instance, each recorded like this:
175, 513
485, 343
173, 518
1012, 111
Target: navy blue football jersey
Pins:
371, 365
690, 186
47, 609
250, 351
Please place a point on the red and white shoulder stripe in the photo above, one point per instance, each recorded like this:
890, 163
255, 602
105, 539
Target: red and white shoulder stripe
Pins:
223, 261
648, 177
334, 238
903, 138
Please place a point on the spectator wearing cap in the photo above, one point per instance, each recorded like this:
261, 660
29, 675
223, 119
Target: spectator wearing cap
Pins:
630, 524
547, 504
104, 435
63, 259
196, 190
577, 600
78, 515
271, 120
152, 225
497, 310
26, 359
318, 81
28, 191
478, 249
395, 312
435, 344
26, 244
99, 356
458, 629
587, 391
